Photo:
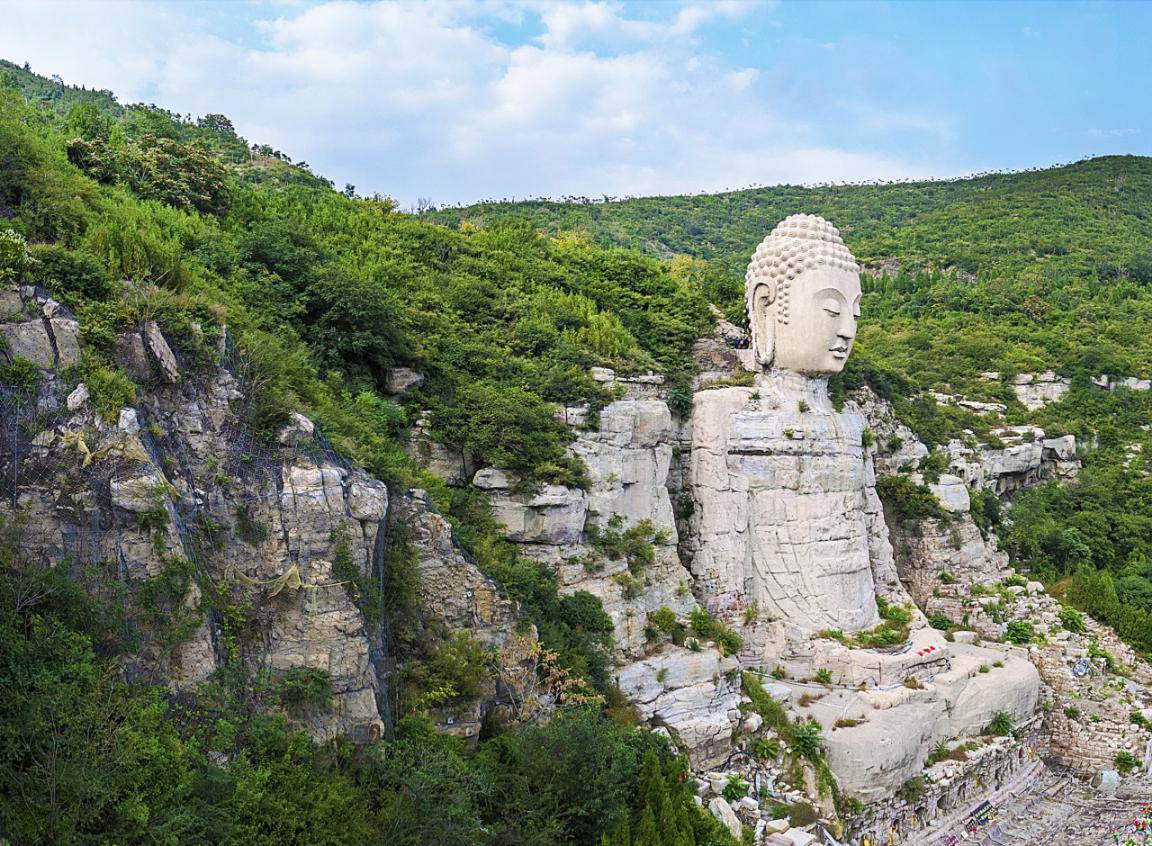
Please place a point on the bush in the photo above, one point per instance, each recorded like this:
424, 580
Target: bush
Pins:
705, 625
735, 789
70, 275
304, 688
910, 502
940, 621
1126, 762
1072, 620
664, 618
14, 255
511, 428
23, 375
806, 739
1020, 632
911, 790
766, 749
109, 390
1000, 725
633, 544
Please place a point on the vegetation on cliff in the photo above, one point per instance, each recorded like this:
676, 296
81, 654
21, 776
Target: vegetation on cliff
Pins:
128, 214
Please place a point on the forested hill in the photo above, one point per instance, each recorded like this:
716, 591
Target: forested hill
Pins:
1015, 273
1093, 215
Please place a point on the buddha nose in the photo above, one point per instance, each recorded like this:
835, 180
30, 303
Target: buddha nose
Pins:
846, 327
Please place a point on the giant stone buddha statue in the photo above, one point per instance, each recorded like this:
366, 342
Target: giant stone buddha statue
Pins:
786, 514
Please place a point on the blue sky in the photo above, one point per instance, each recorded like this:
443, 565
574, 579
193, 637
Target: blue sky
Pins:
472, 99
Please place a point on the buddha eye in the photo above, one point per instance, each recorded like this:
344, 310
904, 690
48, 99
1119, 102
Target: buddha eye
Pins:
831, 307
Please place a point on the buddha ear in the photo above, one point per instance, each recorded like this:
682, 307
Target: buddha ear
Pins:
762, 320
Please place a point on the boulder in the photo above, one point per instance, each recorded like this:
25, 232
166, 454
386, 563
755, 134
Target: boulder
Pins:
138, 493
777, 826
78, 397
29, 340
161, 352
298, 430
722, 811
128, 421
1107, 782
397, 380
952, 493
800, 837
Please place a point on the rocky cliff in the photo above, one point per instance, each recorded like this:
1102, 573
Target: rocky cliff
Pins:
225, 552
219, 551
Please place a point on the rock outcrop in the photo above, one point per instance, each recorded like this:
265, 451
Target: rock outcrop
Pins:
171, 496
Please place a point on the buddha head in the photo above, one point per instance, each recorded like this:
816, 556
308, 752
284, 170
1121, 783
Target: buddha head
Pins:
803, 296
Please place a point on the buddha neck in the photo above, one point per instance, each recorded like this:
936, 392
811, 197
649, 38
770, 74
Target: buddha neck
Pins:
789, 388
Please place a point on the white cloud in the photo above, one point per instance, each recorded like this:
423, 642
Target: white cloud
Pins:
430, 100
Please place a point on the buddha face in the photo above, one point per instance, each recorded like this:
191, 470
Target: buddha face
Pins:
821, 309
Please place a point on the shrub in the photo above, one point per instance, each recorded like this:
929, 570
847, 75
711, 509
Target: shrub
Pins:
1071, 712
910, 502
633, 544
947, 578
14, 255
911, 790
1000, 725
304, 688
728, 641
70, 275
735, 789
824, 676
1072, 620
664, 618
22, 374
1020, 632
806, 739
939, 753
766, 749
455, 673
1126, 762
940, 621
109, 390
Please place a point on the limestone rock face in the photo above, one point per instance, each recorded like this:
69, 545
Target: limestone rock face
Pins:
552, 515
456, 596
397, 380
1036, 390
779, 484
1026, 458
175, 486
628, 459
678, 690
454, 466
896, 445
35, 327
